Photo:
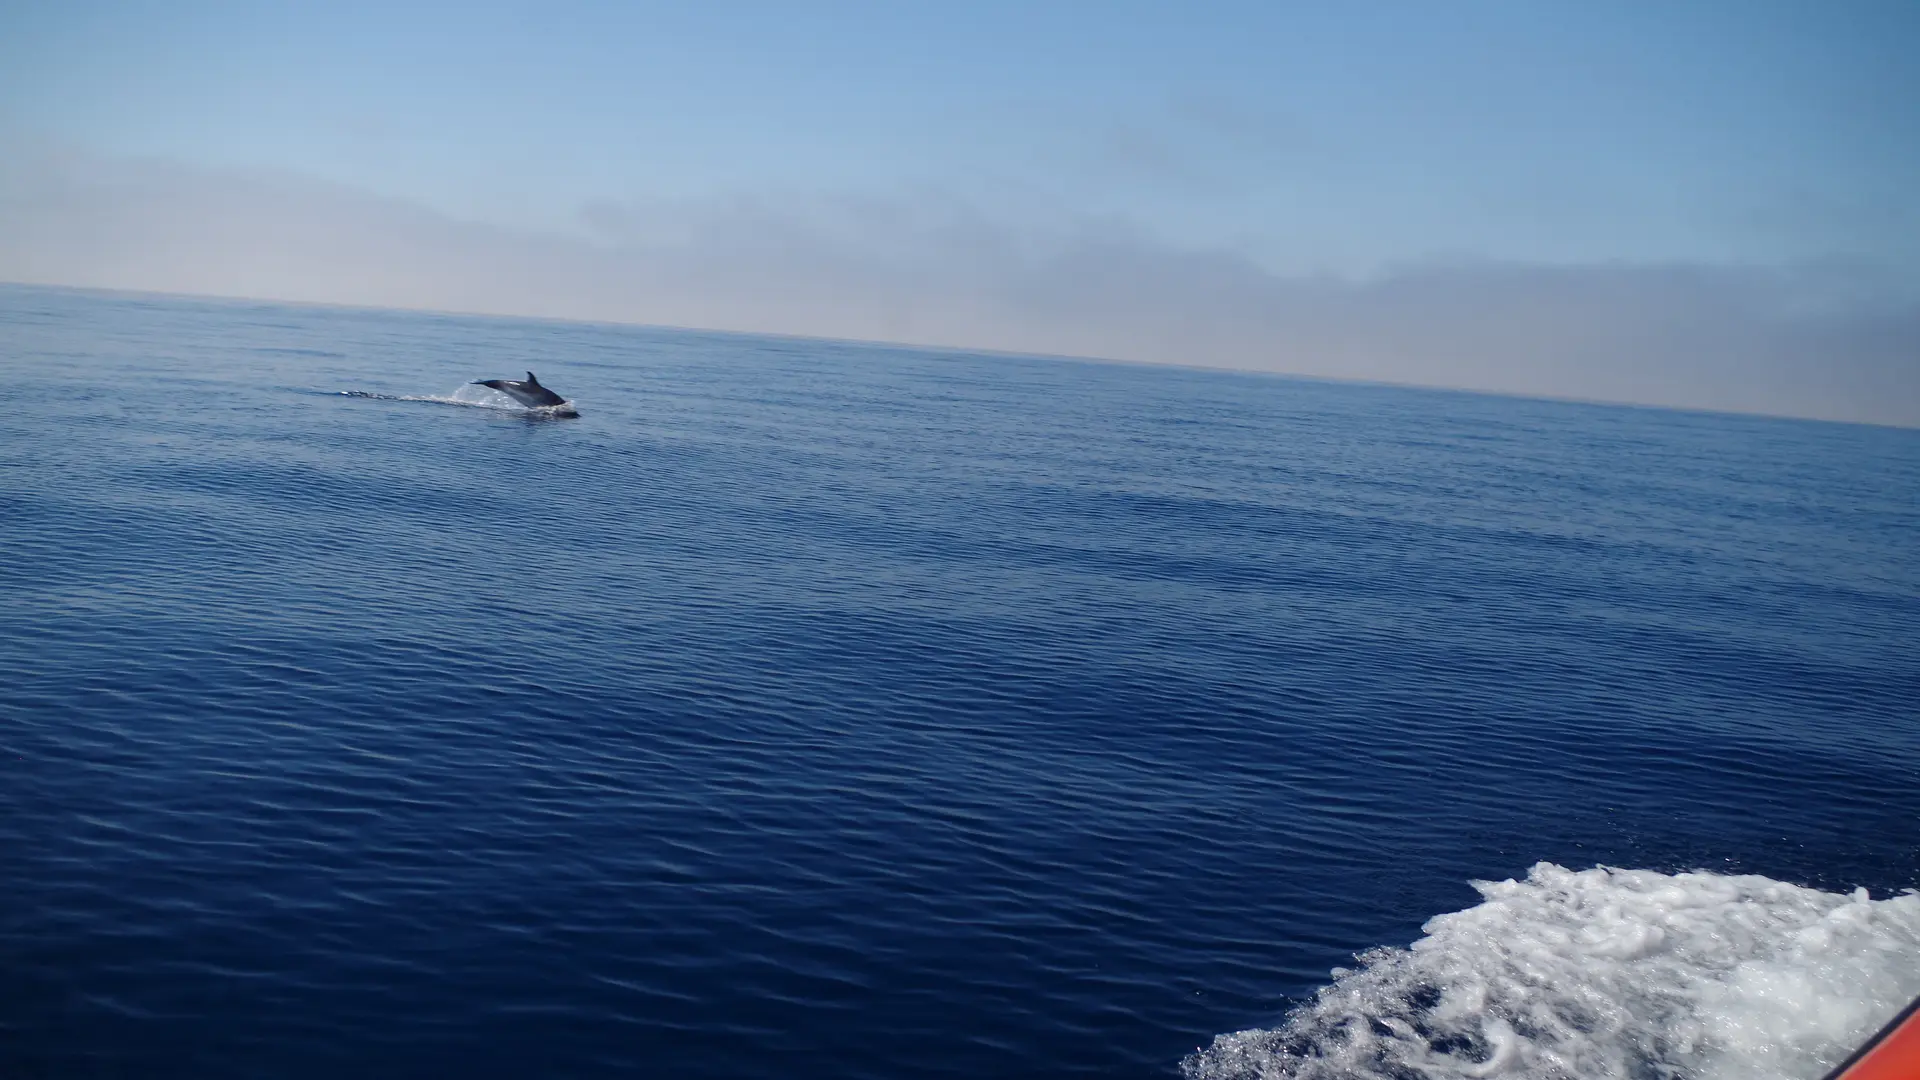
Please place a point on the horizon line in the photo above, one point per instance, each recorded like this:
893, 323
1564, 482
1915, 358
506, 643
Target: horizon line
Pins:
1752, 414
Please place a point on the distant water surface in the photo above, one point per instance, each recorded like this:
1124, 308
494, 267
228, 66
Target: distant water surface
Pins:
810, 709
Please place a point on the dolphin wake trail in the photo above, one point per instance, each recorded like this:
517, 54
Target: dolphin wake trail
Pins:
475, 396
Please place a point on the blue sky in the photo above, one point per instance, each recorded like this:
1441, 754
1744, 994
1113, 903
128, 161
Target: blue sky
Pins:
1355, 142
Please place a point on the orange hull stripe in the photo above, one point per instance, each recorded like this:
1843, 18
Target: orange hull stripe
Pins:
1894, 1054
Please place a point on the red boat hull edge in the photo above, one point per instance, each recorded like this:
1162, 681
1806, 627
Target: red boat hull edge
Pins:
1892, 1054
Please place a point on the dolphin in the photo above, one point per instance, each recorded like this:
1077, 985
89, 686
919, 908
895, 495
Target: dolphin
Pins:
529, 393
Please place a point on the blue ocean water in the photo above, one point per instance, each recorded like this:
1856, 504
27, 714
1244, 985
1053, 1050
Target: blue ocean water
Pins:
815, 709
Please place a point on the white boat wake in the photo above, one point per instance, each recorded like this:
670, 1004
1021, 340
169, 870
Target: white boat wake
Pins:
1605, 974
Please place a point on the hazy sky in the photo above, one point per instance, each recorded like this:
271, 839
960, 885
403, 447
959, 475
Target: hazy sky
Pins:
1690, 203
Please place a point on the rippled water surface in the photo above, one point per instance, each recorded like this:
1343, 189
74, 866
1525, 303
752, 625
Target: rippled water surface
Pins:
827, 710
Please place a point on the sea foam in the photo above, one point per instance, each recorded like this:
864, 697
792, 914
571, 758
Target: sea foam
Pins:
1606, 973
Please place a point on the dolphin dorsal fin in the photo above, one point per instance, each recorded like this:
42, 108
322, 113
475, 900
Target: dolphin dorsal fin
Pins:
531, 381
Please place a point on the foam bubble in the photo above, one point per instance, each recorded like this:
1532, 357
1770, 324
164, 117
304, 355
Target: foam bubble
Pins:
1606, 973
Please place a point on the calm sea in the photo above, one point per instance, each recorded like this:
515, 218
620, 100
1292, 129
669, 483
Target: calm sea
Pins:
811, 709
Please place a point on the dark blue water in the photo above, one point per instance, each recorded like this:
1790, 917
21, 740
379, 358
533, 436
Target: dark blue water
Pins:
828, 710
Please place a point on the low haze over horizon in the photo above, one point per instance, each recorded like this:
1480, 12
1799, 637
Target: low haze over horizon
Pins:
1705, 204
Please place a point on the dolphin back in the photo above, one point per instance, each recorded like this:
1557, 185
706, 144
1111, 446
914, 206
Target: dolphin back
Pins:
529, 393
